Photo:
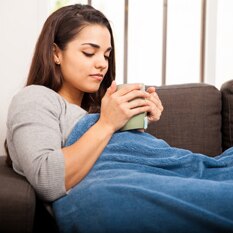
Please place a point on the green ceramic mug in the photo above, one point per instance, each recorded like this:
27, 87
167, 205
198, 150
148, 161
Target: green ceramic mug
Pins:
138, 121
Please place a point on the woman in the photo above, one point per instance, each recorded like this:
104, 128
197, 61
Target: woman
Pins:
72, 67
72, 74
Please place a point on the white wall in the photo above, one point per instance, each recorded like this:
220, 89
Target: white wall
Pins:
224, 45
20, 22
219, 46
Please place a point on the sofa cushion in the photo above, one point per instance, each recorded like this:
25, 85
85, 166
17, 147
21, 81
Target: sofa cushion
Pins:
17, 201
191, 118
227, 114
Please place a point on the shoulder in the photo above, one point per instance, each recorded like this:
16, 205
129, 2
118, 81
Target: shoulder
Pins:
35, 99
36, 92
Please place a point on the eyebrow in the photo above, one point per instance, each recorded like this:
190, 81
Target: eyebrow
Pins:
97, 46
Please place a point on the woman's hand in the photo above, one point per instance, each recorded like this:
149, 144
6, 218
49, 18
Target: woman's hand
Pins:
117, 107
156, 107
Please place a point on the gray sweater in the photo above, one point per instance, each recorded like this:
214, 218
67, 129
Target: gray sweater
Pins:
39, 121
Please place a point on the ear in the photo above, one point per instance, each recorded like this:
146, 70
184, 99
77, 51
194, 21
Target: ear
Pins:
56, 54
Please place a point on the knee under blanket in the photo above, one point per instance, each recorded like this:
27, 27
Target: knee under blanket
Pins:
141, 184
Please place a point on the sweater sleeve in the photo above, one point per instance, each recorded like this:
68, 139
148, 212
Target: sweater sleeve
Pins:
35, 141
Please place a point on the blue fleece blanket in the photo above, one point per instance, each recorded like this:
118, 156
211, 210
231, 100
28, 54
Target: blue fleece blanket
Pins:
141, 184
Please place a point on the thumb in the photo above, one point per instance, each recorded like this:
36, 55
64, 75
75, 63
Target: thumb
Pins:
151, 89
112, 88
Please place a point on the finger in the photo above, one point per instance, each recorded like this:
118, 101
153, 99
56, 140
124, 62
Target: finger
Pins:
112, 88
153, 93
154, 118
156, 100
139, 102
139, 110
135, 94
154, 114
151, 89
155, 111
125, 89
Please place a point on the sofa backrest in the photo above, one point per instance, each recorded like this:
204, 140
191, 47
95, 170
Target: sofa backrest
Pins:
191, 118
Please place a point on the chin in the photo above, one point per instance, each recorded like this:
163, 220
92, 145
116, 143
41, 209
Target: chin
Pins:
92, 89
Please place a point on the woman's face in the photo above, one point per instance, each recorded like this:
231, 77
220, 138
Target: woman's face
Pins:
84, 62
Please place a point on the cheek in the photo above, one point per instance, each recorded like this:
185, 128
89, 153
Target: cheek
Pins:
71, 69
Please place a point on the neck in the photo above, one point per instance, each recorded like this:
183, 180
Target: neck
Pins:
73, 96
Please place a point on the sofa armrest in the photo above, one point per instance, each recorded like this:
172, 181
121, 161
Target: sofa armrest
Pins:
17, 201
227, 114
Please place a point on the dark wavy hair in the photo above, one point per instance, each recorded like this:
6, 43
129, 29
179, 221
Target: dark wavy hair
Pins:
60, 28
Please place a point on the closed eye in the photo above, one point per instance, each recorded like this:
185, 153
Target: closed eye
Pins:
107, 54
88, 54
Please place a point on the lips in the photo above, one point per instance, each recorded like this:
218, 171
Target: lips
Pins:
98, 77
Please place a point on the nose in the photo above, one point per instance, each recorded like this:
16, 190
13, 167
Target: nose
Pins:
101, 62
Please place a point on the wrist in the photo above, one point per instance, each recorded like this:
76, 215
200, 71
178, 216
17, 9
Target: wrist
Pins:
109, 129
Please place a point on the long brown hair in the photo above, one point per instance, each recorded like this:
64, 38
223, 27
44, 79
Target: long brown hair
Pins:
60, 28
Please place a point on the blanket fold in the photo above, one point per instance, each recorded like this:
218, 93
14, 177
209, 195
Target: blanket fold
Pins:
141, 184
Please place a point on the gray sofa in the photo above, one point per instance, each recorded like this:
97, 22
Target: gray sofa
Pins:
197, 117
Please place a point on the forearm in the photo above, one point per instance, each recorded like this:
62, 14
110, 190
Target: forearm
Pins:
82, 155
